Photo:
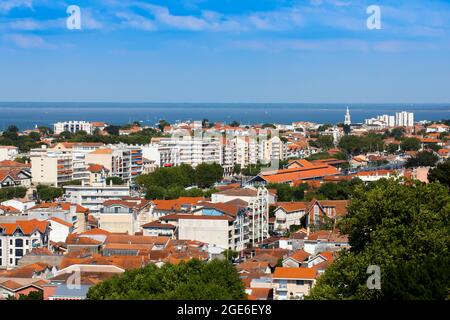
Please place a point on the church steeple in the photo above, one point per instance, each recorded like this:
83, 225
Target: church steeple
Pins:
348, 120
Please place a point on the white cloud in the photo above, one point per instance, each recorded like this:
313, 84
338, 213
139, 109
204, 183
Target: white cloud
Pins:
28, 41
136, 21
8, 5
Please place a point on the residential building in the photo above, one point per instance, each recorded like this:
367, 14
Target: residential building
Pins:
21, 205
8, 153
15, 178
18, 238
312, 213
93, 196
404, 119
121, 160
51, 167
125, 216
293, 283
68, 212
59, 229
73, 127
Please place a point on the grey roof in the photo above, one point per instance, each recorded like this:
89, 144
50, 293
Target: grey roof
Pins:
64, 291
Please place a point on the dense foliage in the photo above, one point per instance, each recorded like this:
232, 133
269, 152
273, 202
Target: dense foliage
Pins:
422, 159
359, 144
47, 193
441, 173
10, 193
170, 182
192, 280
403, 229
410, 144
11, 137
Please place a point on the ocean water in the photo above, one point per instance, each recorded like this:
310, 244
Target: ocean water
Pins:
28, 115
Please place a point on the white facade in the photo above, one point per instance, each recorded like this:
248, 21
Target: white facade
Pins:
14, 246
59, 231
20, 204
404, 119
214, 231
73, 127
8, 153
92, 197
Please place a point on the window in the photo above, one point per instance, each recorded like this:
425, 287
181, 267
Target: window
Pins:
316, 213
19, 252
300, 282
19, 243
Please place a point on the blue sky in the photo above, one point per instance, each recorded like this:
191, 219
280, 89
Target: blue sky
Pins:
225, 51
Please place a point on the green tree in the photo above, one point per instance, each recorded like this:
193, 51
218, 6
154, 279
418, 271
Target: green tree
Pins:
410, 144
208, 174
392, 148
113, 130
422, 159
441, 173
162, 124
325, 142
235, 124
47, 193
155, 192
230, 255
11, 193
192, 280
33, 295
403, 229
115, 181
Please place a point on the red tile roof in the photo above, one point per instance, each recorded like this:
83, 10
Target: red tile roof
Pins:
27, 227
294, 273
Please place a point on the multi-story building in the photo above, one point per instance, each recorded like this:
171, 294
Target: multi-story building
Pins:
222, 231
69, 212
127, 215
122, 161
93, 196
73, 127
19, 238
404, 119
8, 153
51, 168
293, 283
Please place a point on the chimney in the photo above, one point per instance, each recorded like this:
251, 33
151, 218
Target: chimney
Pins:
307, 231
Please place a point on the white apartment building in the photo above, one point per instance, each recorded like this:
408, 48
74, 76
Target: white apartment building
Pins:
92, 197
401, 119
68, 212
222, 231
211, 146
185, 149
19, 238
121, 160
382, 121
51, 168
404, 119
61, 163
8, 153
161, 155
73, 127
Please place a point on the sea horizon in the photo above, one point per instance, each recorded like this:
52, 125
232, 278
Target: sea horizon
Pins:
26, 115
